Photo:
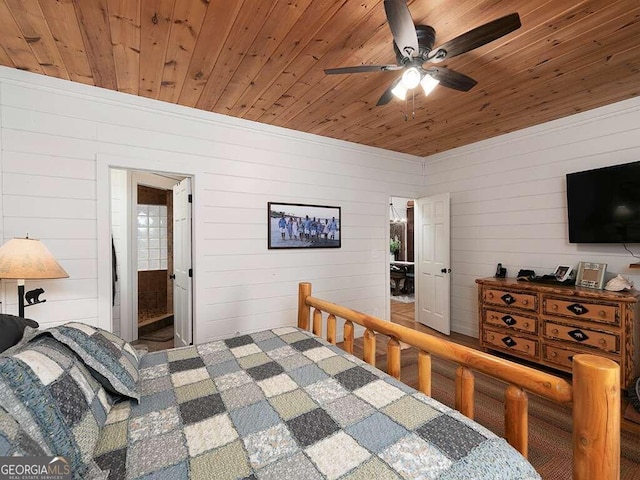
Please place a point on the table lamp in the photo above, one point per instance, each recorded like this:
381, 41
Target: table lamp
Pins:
28, 259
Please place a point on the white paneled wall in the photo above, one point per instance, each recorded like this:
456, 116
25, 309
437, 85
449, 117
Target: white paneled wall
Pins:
59, 140
508, 199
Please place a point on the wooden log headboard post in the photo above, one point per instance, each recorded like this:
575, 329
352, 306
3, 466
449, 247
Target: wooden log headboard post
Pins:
304, 311
596, 418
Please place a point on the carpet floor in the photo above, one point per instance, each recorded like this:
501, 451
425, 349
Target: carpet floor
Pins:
549, 423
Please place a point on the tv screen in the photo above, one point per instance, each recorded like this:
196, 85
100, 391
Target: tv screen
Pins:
604, 205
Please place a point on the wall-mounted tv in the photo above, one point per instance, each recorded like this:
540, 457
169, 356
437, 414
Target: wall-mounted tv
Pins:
604, 205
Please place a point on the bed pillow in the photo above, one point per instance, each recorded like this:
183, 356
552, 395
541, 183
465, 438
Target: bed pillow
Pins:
634, 394
12, 329
111, 360
45, 387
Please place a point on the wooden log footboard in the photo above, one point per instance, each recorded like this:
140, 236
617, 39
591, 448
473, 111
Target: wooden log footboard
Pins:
594, 391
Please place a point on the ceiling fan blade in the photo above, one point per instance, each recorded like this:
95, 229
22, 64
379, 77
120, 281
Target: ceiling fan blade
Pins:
402, 27
387, 96
361, 69
452, 79
477, 37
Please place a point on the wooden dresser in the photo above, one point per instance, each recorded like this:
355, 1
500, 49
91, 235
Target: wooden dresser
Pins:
548, 324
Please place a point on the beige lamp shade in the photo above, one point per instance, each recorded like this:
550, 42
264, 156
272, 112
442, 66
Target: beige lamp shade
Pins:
28, 258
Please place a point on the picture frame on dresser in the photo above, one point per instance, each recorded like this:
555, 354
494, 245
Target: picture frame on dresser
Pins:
563, 272
591, 275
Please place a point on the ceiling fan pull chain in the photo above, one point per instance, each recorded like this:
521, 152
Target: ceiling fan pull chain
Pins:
413, 104
406, 110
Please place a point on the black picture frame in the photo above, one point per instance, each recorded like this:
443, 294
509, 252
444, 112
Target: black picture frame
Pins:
308, 219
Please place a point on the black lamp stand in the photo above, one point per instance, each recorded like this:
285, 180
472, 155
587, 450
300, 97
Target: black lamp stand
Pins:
32, 296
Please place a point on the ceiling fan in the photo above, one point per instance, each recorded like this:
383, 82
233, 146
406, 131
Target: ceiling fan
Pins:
413, 46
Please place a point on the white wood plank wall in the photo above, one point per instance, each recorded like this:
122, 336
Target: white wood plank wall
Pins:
56, 137
508, 199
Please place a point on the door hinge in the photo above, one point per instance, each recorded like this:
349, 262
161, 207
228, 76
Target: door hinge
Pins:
191, 272
190, 198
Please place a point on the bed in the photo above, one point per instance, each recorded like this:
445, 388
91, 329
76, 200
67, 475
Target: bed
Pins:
281, 403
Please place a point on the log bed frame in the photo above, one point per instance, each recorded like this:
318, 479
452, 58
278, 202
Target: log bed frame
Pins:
594, 390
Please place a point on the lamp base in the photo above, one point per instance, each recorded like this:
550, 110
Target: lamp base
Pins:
21, 298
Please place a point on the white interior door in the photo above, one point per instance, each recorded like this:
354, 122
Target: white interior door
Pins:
182, 282
432, 279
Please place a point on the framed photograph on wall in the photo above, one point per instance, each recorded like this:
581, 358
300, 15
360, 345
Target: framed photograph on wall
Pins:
591, 275
296, 225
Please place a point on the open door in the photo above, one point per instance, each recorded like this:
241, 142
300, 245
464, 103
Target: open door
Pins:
182, 269
432, 279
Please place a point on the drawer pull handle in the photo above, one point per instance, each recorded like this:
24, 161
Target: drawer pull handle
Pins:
527, 347
602, 341
526, 325
492, 337
508, 298
554, 354
577, 309
578, 335
554, 306
602, 313
554, 331
525, 302
490, 295
509, 320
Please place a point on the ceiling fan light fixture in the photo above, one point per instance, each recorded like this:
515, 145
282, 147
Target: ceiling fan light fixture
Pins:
411, 78
428, 83
399, 91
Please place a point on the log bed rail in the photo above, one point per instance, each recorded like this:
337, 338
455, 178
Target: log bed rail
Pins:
594, 391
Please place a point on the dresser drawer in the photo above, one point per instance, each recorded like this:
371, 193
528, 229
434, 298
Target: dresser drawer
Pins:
562, 356
559, 356
606, 341
512, 320
506, 298
583, 310
512, 343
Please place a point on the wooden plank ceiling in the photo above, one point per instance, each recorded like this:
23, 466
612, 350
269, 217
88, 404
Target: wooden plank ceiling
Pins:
263, 60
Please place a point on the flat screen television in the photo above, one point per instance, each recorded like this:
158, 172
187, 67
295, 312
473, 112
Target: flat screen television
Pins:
604, 205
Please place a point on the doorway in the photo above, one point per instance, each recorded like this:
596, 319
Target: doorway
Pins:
145, 250
401, 260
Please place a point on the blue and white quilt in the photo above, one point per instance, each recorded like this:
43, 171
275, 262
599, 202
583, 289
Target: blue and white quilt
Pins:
285, 404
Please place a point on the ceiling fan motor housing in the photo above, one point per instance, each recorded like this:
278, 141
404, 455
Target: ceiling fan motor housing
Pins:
426, 39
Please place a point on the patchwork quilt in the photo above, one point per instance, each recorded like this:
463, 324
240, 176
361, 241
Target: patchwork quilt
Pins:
285, 404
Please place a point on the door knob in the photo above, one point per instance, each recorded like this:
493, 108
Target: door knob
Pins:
446, 270
172, 276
